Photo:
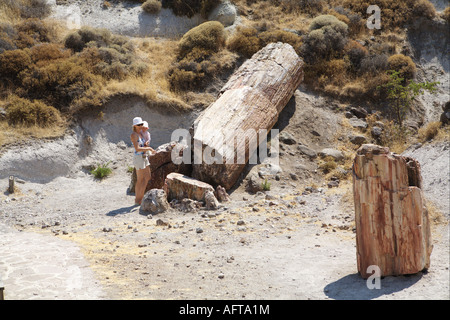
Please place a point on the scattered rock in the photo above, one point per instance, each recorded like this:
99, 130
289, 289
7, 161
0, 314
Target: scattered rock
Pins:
359, 112
287, 138
222, 195
376, 132
293, 176
358, 123
107, 229
254, 184
329, 152
307, 151
161, 223
334, 183
225, 13
358, 139
211, 201
199, 230
155, 201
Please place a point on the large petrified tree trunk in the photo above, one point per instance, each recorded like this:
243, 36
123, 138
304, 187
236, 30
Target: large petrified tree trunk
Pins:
250, 101
392, 226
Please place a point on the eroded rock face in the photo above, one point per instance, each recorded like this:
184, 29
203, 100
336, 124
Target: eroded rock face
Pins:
392, 225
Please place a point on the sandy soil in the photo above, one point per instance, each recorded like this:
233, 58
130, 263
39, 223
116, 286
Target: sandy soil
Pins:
281, 244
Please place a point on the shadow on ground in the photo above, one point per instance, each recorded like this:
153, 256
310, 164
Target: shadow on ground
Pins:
353, 287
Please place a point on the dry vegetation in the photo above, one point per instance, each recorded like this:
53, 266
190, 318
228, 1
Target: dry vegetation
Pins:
72, 71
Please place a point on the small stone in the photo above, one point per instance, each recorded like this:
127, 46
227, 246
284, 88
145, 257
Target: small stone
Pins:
221, 276
107, 229
240, 222
199, 230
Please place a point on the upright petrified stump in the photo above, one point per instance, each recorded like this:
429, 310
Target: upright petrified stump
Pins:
392, 226
251, 100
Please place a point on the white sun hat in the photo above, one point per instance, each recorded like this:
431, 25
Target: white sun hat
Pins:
137, 120
145, 125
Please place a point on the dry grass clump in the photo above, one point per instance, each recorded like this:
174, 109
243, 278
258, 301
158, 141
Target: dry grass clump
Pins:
200, 57
446, 15
395, 14
249, 40
402, 64
30, 113
429, 132
152, 6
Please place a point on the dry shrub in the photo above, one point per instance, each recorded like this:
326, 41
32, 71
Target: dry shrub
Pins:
33, 31
429, 131
152, 6
374, 64
45, 52
190, 7
208, 36
79, 39
31, 113
403, 64
281, 36
446, 15
13, 62
355, 53
327, 37
245, 42
328, 164
59, 83
199, 53
311, 7
394, 13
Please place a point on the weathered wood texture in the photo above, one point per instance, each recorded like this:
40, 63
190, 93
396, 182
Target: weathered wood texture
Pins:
392, 225
178, 186
161, 165
251, 100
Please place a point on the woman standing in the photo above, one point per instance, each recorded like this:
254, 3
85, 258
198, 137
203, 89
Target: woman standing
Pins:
140, 159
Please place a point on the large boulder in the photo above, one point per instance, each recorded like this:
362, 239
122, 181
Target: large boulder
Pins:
225, 13
392, 224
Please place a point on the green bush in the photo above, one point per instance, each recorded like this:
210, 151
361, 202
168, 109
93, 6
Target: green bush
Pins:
191, 7
209, 36
21, 111
152, 6
102, 171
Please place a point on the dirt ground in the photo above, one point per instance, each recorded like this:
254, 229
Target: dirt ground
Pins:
278, 244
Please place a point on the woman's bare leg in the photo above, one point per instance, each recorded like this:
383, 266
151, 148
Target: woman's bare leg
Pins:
143, 177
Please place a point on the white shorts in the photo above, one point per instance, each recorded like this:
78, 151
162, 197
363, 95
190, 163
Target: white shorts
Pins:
140, 161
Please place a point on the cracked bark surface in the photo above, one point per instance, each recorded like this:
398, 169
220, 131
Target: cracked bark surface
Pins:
392, 225
251, 100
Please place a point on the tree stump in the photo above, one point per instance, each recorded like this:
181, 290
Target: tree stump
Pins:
251, 100
11, 184
392, 225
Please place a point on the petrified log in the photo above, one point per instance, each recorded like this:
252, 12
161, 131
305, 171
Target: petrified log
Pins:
249, 102
392, 226
161, 165
178, 186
